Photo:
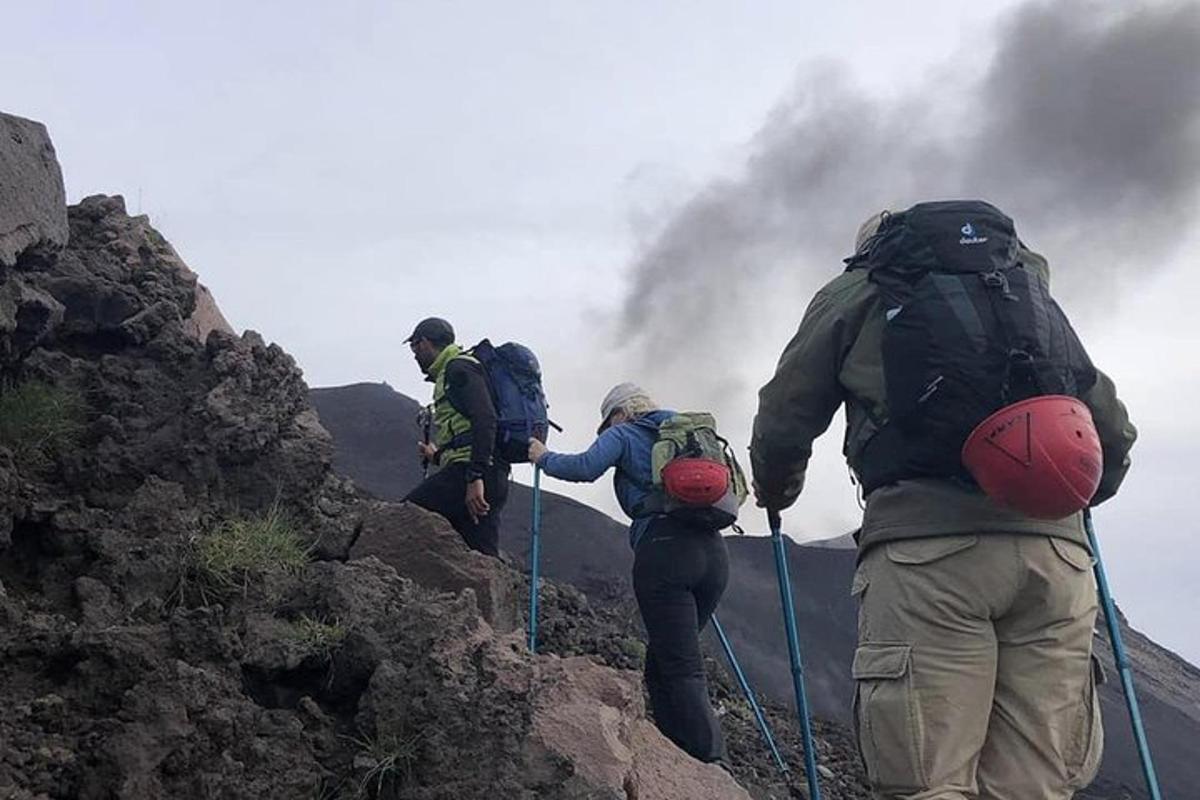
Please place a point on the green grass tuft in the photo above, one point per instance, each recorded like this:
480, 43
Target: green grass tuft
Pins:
38, 420
243, 547
319, 635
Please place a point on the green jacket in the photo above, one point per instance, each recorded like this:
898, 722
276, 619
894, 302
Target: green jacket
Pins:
449, 422
836, 359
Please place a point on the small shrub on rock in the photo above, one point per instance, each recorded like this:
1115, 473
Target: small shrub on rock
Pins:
635, 649
385, 762
38, 420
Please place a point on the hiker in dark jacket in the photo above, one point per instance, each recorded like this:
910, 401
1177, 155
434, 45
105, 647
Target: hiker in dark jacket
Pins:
470, 486
679, 571
974, 668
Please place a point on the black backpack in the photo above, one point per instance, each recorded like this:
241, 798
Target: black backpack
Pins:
969, 329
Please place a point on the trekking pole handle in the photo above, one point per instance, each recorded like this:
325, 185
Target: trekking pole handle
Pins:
425, 423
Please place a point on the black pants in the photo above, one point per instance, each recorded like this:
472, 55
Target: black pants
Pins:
679, 575
445, 493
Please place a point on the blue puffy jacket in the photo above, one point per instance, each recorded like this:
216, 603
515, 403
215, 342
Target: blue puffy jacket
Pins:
626, 447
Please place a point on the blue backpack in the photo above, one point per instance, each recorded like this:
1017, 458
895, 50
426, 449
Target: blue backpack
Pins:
515, 379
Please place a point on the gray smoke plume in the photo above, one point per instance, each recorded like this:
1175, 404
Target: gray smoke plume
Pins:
1091, 119
1084, 126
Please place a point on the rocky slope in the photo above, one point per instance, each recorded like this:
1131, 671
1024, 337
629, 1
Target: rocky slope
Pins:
373, 427
180, 611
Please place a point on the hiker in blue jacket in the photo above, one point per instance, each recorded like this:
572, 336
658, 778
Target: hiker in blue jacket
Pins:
679, 570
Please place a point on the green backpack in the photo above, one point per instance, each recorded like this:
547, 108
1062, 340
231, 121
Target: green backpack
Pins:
694, 472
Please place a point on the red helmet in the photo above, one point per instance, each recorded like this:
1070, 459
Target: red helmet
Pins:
1040, 456
696, 481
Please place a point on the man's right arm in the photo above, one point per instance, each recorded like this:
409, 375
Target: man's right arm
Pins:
799, 402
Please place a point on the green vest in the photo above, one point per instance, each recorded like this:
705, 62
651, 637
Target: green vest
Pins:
448, 422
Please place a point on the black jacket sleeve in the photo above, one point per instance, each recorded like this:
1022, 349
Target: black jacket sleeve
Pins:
1117, 435
467, 390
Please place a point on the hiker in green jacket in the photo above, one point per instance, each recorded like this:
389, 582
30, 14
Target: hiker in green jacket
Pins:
974, 670
470, 486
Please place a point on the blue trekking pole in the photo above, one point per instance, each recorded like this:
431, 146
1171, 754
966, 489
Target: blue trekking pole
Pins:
535, 556
793, 642
1122, 659
746, 690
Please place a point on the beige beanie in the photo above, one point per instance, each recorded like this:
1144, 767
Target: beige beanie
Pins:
616, 398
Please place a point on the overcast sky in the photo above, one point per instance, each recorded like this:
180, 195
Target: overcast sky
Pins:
652, 192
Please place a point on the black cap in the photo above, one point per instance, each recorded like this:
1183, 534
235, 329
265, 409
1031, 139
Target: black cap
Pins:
435, 329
